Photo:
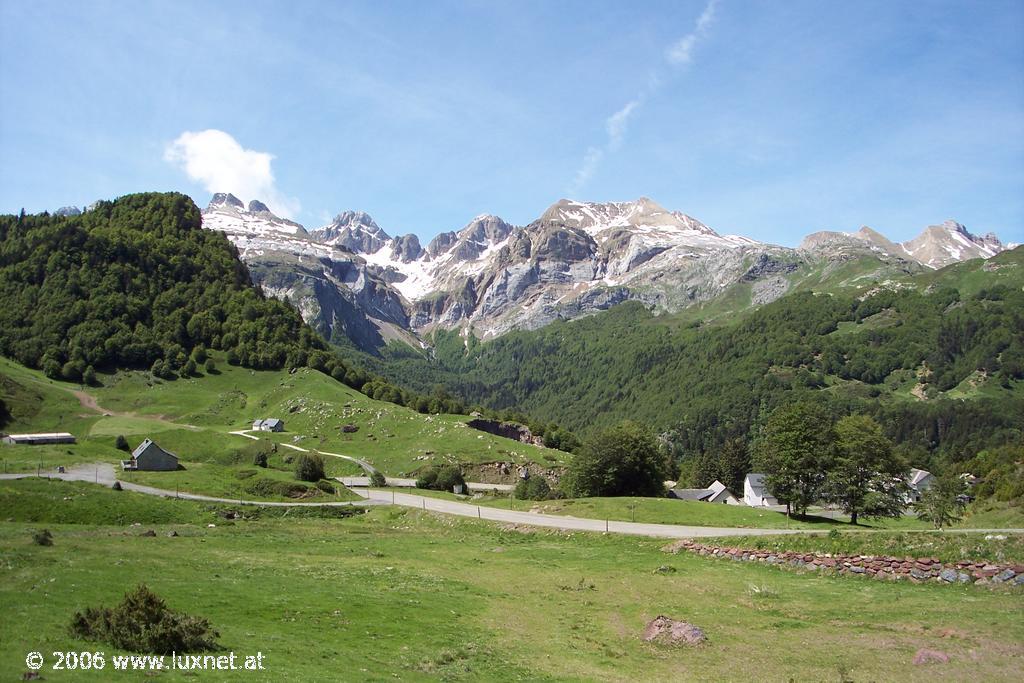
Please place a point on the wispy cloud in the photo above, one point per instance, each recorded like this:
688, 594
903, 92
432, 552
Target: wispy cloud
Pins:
216, 160
679, 54
681, 51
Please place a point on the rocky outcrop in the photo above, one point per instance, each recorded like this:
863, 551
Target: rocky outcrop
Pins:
882, 567
509, 430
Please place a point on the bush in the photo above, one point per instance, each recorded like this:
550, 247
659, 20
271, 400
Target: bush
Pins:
270, 487
122, 444
534, 488
210, 366
260, 459
116, 486
43, 537
309, 467
378, 479
326, 486
443, 478
143, 623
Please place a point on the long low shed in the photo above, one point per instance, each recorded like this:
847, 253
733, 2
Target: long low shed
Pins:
39, 439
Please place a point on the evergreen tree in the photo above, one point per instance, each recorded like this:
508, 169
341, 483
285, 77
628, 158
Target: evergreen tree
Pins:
942, 502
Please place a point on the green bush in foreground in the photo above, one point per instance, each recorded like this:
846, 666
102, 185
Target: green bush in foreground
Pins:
143, 623
378, 479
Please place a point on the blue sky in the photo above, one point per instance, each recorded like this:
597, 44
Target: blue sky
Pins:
769, 119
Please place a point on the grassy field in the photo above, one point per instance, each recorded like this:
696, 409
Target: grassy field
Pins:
400, 594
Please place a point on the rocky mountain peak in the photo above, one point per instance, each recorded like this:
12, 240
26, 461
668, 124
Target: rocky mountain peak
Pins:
256, 206
68, 211
354, 230
225, 199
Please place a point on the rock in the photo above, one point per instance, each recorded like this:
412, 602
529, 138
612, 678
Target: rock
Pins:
31, 676
172, 534
856, 569
1004, 575
926, 656
963, 577
149, 533
669, 631
349, 428
948, 575
665, 569
919, 574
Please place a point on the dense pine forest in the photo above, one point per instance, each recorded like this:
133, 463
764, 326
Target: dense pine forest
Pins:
938, 364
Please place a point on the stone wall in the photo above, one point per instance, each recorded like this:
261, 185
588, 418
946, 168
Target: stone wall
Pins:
914, 569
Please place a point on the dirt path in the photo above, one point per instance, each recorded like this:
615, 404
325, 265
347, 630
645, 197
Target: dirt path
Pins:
89, 402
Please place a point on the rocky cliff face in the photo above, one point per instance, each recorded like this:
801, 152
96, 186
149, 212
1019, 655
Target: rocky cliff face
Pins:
350, 277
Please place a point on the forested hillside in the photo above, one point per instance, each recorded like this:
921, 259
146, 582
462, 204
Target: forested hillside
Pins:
137, 283
939, 363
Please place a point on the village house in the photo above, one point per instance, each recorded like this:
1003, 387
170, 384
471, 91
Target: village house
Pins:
755, 494
269, 425
919, 482
38, 439
717, 492
149, 457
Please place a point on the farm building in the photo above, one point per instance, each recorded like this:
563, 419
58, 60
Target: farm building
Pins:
38, 439
716, 493
754, 492
269, 425
149, 457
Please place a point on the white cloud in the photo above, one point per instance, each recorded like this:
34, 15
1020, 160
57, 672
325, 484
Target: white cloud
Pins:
681, 52
215, 159
590, 162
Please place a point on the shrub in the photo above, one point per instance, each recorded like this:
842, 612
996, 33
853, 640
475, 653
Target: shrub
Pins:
260, 459
210, 366
122, 444
534, 488
116, 486
270, 487
43, 537
443, 478
143, 623
309, 467
326, 486
378, 479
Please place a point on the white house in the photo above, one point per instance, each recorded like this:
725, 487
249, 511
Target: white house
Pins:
919, 482
150, 457
754, 492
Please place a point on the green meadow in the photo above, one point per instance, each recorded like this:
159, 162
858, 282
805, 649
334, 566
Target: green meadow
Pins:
399, 594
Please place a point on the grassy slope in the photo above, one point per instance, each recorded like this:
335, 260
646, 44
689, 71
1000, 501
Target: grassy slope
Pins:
192, 418
402, 594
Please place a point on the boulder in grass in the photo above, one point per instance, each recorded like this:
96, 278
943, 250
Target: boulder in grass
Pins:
668, 631
926, 656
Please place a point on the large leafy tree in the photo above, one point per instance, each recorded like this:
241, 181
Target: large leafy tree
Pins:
866, 478
795, 450
624, 460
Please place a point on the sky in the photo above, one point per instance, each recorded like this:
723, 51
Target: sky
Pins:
761, 118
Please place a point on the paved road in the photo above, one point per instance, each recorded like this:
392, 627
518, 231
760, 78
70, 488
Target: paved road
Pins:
104, 474
563, 522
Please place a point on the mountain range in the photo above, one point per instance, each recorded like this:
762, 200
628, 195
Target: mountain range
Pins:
351, 279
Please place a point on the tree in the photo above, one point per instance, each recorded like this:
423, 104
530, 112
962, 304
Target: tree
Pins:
189, 369
260, 460
941, 503
795, 451
378, 479
121, 444
210, 366
309, 467
89, 376
624, 460
444, 478
534, 488
867, 477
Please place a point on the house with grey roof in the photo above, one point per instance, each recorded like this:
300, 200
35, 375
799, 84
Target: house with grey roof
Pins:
269, 425
149, 457
919, 482
717, 492
755, 493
